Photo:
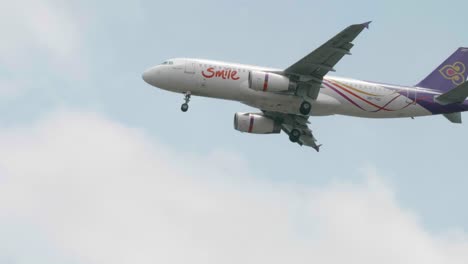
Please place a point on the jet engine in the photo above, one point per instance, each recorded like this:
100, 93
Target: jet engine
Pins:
268, 82
256, 123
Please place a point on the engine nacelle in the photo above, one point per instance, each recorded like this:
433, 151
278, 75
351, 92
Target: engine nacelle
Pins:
255, 123
268, 82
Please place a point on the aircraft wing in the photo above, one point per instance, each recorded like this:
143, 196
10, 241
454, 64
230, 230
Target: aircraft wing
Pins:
290, 122
310, 70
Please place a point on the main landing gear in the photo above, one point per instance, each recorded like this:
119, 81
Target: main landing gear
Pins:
305, 108
184, 107
294, 135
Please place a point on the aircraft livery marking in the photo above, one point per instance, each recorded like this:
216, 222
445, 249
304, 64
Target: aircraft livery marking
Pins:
265, 83
336, 86
225, 74
251, 123
454, 72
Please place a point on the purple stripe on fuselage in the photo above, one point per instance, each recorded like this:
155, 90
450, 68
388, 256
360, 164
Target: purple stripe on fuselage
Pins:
422, 96
426, 100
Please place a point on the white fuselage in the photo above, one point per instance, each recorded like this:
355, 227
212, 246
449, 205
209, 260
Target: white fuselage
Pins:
337, 95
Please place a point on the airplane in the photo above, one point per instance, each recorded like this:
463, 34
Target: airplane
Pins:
287, 97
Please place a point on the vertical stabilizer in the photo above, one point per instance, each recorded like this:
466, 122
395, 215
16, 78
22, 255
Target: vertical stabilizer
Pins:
451, 73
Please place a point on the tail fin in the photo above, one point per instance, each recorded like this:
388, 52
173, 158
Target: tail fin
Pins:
451, 73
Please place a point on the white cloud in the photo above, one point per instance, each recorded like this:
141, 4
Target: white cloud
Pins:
35, 28
106, 193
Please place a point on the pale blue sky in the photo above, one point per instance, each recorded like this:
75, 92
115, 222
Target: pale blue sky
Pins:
423, 159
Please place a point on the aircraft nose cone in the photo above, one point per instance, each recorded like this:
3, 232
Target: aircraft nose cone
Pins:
150, 76
156, 76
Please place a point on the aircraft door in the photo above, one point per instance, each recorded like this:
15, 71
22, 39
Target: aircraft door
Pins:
190, 67
189, 78
411, 95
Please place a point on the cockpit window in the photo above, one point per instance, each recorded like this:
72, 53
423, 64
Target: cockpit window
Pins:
167, 63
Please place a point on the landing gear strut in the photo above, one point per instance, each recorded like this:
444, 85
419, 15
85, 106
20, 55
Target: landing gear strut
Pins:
294, 135
184, 107
305, 108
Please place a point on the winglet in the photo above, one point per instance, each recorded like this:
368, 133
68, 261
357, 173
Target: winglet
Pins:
366, 25
317, 147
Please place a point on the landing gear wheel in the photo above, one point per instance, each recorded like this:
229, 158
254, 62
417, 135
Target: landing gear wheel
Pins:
305, 108
184, 107
294, 135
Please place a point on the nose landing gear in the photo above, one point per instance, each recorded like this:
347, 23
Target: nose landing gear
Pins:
184, 107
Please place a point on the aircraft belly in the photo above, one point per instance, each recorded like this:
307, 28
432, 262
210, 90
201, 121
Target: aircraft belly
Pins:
325, 105
214, 88
282, 103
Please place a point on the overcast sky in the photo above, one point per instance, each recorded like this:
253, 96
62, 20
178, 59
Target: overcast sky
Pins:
96, 166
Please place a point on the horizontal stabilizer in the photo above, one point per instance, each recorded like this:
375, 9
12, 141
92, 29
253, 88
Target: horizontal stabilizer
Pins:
454, 117
455, 96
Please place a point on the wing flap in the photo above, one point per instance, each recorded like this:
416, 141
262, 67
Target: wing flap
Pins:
319, 62
329, 53
306, 139
290, 122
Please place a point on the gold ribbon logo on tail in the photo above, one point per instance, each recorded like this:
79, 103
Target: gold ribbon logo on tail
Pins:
454, 72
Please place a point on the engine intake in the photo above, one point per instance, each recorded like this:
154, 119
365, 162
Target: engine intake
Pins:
268, 82
256, 124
